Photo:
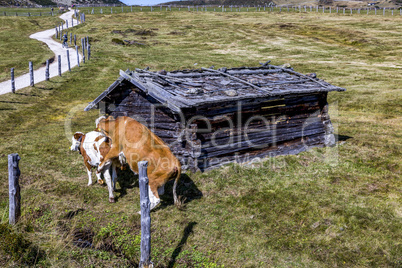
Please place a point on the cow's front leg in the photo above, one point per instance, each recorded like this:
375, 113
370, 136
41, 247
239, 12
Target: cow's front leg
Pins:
89, 172
107, 160
89, 177
106, 174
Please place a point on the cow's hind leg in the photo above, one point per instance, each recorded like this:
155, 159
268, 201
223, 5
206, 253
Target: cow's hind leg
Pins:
153, 198
114, 176
98, 175
161, 190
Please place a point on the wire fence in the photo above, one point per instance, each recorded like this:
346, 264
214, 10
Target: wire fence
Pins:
114, 9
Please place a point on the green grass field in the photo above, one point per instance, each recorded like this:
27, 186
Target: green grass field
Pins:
328, 207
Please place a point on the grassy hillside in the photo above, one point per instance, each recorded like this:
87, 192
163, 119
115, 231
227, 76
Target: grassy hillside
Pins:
346, 3
328, 207
15, 43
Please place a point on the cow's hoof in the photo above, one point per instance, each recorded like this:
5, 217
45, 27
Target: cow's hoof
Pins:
111, 200
100, 182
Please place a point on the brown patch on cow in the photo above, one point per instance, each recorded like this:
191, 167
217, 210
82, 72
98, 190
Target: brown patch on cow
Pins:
78, 135
98, 138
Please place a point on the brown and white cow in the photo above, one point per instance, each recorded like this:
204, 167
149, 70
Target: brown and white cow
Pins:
137, 143
93, 146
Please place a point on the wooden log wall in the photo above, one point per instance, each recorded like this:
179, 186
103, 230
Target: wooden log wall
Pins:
284, 125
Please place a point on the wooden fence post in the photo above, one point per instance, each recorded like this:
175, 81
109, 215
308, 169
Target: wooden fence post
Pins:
75, 40
89, 51
145, 261
71, 38
59, 63
31, 74
12, 81
14, 188
47, 71
83, 49
78, 56
68, 60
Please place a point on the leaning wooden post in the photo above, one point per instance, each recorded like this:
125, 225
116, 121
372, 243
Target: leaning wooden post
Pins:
31, 74
14, 188
47, 71
145, 261
59, 63
12, 81
68, 60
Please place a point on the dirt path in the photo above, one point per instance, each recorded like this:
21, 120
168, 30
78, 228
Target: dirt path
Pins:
39, 74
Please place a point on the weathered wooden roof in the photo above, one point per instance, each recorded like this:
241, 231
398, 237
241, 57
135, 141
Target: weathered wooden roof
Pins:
190, 88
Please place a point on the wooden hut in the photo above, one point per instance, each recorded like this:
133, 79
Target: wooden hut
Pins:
211, 117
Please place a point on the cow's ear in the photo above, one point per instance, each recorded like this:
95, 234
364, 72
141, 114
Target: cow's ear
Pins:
111, 118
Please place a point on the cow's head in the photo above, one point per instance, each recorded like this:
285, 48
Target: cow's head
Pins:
76, 141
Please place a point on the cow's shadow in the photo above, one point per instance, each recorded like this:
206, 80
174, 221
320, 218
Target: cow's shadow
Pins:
186, 189
126, 180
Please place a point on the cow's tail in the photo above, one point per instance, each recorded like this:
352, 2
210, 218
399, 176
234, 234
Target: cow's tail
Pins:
177, 173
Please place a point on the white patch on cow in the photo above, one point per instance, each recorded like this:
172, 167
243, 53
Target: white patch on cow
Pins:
89, 146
